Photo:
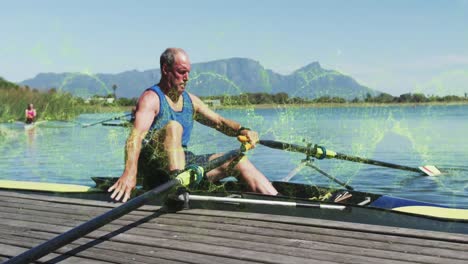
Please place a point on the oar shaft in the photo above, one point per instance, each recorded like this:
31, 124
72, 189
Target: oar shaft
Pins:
375, 162
286, 146
99, 221
89, 226
330, 154
222, 159
263, 202
110, 119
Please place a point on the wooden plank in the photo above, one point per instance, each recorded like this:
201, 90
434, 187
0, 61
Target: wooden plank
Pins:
57, 199
357, 251
168, 241
277, 218
64, 208
204, 228
44, 198
20, 231
310, 252
288, 235
135, 247
8, 251
285, 229
269, 227
51, 198
310, 221
71, 204
116, 252
387, 243
190, 214
254, 229
72, 209
231, 255
397, 231
280, 229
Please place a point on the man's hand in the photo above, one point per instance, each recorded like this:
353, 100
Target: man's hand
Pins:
123, 187
252, 136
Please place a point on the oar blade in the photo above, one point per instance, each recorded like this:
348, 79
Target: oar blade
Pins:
430, 170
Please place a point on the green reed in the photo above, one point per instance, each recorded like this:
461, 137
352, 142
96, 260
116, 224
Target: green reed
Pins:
50, 105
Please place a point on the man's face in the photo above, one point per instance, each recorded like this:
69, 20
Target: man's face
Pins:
178, 76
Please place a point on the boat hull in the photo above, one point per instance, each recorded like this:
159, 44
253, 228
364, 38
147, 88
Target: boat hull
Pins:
29, 126
351, 213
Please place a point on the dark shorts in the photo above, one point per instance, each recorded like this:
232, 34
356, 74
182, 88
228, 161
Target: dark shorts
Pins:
152, 170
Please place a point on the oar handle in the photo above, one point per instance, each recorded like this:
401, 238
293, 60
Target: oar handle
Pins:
245, 143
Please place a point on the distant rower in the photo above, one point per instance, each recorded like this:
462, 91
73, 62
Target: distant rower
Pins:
30, 114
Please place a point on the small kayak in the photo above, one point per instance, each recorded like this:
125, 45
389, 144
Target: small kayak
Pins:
33, 124
29, 126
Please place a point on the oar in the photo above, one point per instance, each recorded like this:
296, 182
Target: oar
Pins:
320, 153
110, 119
184, 179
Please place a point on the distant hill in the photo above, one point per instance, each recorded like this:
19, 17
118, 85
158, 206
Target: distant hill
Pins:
221, 77
4, 84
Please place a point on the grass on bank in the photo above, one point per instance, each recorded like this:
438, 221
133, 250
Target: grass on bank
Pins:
51, 105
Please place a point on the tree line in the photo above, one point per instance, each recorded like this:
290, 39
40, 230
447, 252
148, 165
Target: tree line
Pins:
412, 98
283, 98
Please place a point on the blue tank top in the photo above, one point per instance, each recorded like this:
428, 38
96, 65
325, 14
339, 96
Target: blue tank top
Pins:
166, 114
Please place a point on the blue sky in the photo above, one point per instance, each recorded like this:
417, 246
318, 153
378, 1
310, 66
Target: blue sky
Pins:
392, 46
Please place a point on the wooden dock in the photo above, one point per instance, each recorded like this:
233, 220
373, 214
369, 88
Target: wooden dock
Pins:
206, 236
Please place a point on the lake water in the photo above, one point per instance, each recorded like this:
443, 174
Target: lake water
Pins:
66, 152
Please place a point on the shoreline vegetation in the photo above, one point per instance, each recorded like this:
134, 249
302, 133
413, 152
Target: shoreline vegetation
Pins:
334, 105
264, 100
57, 105
51, 104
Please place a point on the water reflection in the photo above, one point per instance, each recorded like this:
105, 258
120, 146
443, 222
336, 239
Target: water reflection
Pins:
31, 137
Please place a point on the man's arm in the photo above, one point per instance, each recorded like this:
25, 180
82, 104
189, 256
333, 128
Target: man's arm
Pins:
208, 117
144, 116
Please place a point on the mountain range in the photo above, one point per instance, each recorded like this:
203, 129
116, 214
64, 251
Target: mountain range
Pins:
221, 77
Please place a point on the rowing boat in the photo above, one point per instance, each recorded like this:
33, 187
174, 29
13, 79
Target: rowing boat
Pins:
301, 200
33, 124
29, 126
294, 199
